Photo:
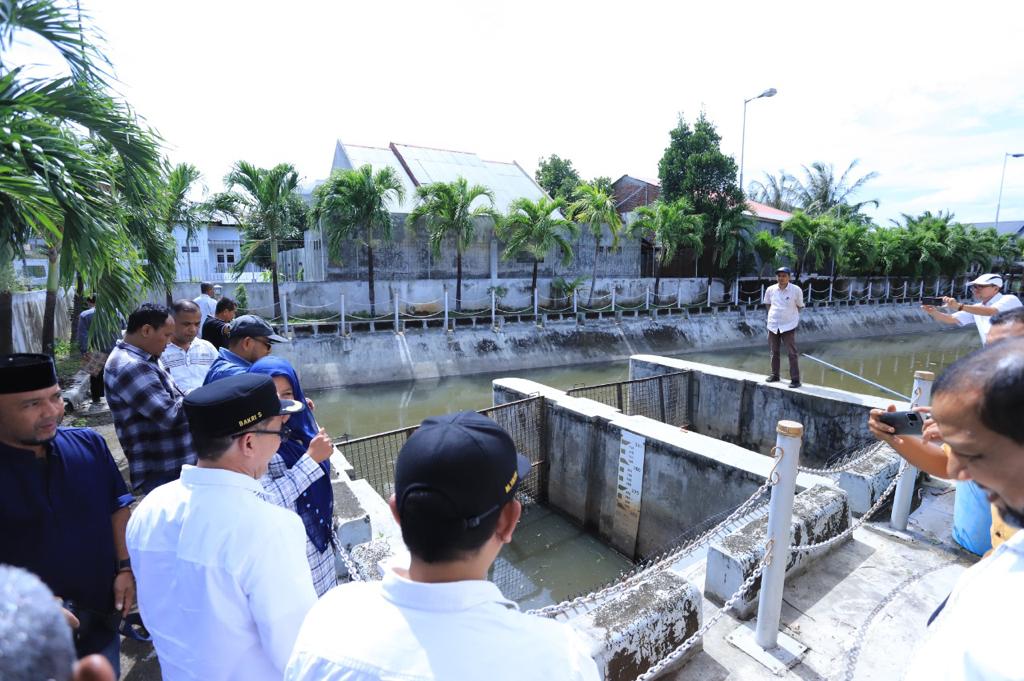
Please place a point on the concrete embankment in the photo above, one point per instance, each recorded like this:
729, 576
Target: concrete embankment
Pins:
329, 361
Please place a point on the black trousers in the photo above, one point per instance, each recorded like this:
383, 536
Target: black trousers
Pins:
96, 386
789, 338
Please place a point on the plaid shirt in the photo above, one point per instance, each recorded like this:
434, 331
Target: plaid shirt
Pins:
148, 414
282, 487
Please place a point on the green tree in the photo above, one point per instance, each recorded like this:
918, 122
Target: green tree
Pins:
357, 204
261, 200
771, 250
821, 192
447, 209
536, 227
778, 191
669, 226
604, 183
178, 209
596, 209
693, 166
57, 137
557, 177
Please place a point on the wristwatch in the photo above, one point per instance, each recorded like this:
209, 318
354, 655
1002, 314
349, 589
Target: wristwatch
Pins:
124, 565
960, 308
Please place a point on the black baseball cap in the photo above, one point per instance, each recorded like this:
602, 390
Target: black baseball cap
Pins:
783, 270
255, 327
24, 372
232, 404
465, 457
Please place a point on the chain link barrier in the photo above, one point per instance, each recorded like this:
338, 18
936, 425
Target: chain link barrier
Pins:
845, 465
354, 575
691, 640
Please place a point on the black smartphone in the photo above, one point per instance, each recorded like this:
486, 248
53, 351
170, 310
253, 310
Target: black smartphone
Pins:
905, 422
931, 300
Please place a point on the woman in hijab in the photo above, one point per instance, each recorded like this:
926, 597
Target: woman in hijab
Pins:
298, 476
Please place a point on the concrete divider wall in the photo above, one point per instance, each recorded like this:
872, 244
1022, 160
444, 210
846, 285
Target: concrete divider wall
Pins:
366, 358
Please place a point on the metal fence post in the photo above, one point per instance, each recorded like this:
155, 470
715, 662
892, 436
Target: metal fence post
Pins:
647, 299
920, 291
574, 305
284, 309
341, 326
869, 290
536, 300
613, 298
679, 296
830, 282
938, 283
888, 288
396, 314
920, 396
762, 295
446, 307
711, 282
780, 517
494, 304
736, 291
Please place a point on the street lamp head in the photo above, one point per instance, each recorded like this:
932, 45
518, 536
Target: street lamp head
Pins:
1015, 155
770, 92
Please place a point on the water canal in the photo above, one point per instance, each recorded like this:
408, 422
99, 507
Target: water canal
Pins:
551, 559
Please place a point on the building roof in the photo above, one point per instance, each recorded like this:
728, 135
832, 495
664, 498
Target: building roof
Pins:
1004, 227
645, 180
417, 166
765, 212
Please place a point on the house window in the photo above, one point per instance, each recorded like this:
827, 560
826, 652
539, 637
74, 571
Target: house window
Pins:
185, 249
225, 256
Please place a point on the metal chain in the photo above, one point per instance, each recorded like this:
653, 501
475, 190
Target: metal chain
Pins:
668, 559
682, 649
843, 466
857, 525
353, 572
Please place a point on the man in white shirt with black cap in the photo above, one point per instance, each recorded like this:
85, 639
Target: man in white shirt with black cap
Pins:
784, 301
455, 484
986, 290
223, 582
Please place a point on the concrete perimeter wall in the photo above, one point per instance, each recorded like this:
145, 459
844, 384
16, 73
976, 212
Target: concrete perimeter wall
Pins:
330, 361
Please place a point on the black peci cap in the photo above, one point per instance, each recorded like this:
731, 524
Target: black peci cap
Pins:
232, 404
466, 458
254, 327
23, 372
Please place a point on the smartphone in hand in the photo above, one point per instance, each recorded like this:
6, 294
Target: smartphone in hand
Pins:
933, 301
905, 422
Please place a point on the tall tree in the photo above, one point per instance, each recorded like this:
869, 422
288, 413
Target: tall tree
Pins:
595, 208
536, 227
557, 177
821, 192
178, 209
448, 211
260, 198
669, 226
770, 250
357, 204
693, 166
778, 191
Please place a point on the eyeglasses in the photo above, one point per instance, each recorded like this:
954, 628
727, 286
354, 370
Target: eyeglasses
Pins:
270, 346
285, 433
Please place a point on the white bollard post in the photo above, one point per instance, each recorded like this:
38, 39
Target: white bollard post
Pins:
536, 300
284, 310
888, 288
780, 518
396, 314
762, 294
710, 284
920, 396
869, 291
736, 291
494, 305
613, 299
920, 291
341, 326
446, 308
647, 298
830, 283
938, 284
574, 302
679, 296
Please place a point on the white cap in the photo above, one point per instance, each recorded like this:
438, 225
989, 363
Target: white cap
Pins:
989, 279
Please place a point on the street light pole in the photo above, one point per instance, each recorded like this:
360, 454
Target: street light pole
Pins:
770, 92
1002, 178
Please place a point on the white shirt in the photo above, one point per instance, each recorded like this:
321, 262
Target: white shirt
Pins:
400, 629
223, 582
999, 301
785, 305
977, 634
207, 306
188, 367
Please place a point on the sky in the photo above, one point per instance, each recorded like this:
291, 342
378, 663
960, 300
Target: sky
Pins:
929, 95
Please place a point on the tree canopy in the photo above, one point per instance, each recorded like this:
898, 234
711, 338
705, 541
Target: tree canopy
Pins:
557, 177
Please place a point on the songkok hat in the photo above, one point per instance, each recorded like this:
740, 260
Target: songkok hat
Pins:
23, 372
233, 404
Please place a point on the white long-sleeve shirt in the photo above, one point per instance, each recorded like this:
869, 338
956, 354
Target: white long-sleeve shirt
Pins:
223, 582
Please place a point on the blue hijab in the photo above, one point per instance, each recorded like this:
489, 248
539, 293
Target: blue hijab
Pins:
315, 505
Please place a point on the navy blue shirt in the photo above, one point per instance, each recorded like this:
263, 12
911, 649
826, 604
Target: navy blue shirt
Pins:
55, 515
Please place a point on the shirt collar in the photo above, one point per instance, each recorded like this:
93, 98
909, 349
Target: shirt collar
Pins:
443, 596
194, 476
136, 350
10, 452
229, 356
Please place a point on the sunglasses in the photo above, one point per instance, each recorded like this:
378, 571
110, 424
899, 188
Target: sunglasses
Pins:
285, 433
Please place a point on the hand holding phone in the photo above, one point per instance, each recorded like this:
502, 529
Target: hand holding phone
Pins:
933, 301
905, 422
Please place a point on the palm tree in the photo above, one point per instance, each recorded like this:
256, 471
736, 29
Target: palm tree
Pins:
536, 227
770, 250
58, 184
263, 208
778, 191
447, 208
357, 204
822, 193
670, 226
178, 209
595, 208
732, 238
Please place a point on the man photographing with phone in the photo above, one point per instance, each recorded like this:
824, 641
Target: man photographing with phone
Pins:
986, 290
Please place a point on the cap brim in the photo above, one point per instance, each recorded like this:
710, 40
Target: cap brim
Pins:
274, 338
291, 407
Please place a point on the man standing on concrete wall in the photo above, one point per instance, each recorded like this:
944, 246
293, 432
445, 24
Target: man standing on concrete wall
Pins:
784, 301
986, 290
976, 404
439, 618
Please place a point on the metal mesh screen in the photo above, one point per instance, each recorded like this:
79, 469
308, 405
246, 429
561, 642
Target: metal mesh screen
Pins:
662, 398
373, 457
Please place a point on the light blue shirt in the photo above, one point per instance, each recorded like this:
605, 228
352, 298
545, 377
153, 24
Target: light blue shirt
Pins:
972, 518
226, 364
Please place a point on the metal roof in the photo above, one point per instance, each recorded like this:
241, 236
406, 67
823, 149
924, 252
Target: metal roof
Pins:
423, 165
766, 212
1004, 227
